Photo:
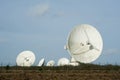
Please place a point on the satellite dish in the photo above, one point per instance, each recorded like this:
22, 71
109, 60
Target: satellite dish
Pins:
73, 62
84, 43
25, 58
41, 62
50, 63
63, 62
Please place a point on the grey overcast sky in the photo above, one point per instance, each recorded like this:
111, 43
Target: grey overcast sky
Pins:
42, 26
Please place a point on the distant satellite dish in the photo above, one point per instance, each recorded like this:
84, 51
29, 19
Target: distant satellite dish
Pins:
25, 58
84, 43
41, 62
63, 62
73, 62
51, 63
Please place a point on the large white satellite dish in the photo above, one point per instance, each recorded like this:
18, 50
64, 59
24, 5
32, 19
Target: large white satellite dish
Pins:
50, 63
41, 62
84, 43
25, 58
63, 62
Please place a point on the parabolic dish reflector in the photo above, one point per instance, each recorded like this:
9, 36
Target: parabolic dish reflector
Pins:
84, 43
25, 58
63, 62
50, 63
72, 60
41, 62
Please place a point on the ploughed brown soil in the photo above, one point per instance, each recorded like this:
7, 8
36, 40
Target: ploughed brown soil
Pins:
82, 72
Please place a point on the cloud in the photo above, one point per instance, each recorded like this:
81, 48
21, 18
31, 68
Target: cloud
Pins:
66, 14
39, 10
111, 51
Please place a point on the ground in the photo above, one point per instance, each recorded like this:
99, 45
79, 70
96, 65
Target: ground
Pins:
84, 72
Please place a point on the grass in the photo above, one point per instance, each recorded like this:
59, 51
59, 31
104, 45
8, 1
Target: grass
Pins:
82, 72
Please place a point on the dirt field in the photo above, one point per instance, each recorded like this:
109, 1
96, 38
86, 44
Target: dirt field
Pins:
86, 72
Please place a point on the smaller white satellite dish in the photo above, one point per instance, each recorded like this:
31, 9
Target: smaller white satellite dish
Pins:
51, 63
74, 64
25, 58
63, 62
41, 62
72, 60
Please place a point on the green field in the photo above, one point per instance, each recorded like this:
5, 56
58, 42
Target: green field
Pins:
82, 72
